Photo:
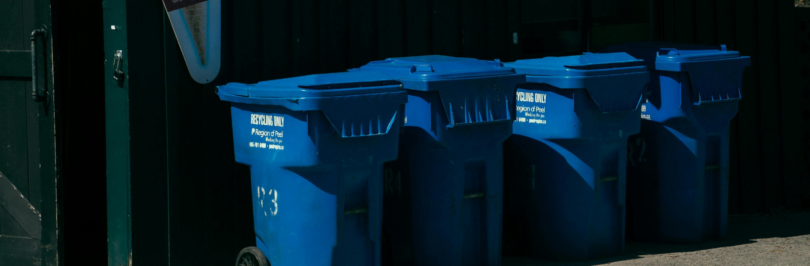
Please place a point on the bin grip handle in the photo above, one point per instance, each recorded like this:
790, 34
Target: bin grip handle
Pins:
35, 94
667, 51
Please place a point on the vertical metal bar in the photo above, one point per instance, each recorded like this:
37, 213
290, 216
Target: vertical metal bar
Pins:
34, 91
116, 98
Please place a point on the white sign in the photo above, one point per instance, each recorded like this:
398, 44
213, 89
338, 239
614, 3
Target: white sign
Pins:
198, 27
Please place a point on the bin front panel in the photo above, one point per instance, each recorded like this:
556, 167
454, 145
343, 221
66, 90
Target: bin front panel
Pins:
570, 193
678, 202
444, 204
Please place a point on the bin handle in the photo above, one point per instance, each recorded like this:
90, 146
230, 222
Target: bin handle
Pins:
667, 51
34, 90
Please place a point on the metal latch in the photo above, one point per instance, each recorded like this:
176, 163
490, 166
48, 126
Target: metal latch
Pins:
35, 93
118, 65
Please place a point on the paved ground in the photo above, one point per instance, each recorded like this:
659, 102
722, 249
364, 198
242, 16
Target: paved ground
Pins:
776, 239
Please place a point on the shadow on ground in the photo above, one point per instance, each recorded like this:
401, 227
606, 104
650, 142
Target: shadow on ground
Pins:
742, 230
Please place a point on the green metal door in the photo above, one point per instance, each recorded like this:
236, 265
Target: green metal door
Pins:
27, 153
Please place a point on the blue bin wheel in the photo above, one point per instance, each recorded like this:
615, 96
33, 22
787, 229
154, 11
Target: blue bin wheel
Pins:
251, 256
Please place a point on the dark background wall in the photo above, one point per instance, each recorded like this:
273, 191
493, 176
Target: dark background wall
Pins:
79, 98
190, 203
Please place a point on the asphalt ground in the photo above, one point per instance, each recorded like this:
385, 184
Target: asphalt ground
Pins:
779, 238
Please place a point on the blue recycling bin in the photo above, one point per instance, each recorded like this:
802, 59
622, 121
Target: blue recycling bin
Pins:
316, 146
678, 165
564, 181
443, 195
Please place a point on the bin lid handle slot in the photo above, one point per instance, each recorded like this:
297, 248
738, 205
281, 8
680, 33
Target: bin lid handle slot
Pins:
667, 51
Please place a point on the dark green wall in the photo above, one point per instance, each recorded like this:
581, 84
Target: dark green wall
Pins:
187, 192
78, 47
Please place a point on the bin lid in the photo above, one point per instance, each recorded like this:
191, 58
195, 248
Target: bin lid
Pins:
320, 85
435, 68
356, 104
588, 64
615, 81
486, 87
714, 72
668, 56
